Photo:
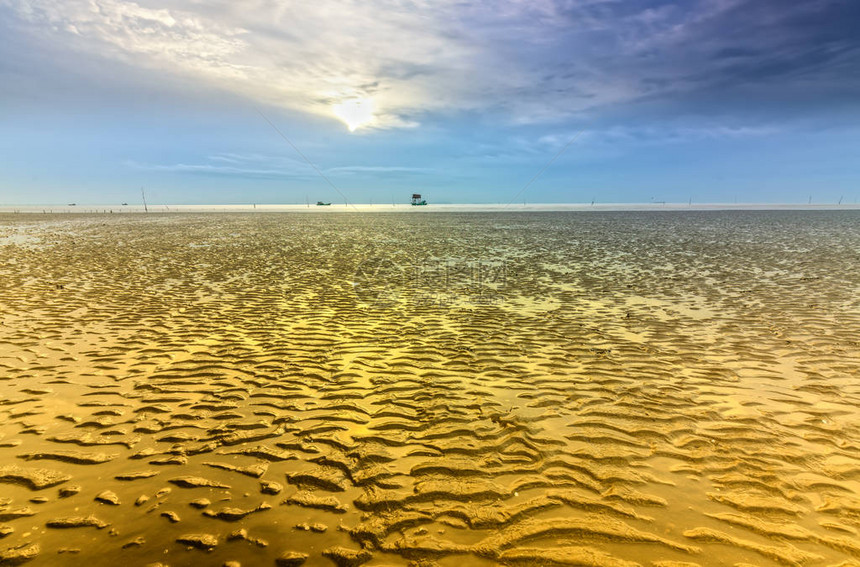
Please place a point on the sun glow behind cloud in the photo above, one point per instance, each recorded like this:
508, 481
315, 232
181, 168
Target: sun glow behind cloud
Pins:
355, 113
499, 85
420, 60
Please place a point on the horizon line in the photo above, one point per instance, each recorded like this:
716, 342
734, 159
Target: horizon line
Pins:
84, 208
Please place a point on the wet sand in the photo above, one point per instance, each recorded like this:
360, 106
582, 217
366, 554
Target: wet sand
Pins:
460, 389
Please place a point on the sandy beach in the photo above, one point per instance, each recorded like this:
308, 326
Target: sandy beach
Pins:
520, 388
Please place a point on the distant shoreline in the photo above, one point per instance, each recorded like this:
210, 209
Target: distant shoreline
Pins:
405, 207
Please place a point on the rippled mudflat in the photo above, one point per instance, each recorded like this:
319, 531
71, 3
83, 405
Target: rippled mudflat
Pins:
463, 389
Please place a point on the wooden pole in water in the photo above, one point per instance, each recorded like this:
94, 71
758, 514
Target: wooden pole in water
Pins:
143, 194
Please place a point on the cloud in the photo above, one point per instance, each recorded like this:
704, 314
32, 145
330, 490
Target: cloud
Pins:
760, 54
176, 39
262, 166
650, 135
305, 56
234, 165
210, 169
358, 169
514, 61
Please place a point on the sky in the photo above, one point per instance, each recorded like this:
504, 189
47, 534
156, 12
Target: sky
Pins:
369, 101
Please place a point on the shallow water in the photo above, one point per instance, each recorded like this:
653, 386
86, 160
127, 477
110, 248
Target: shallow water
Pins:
458, 388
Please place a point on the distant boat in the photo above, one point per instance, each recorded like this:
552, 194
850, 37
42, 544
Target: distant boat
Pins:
417, 200
321, 204
72, 204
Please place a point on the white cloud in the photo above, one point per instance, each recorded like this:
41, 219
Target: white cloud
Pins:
664, 134
232, 164
159, 38
409, 57
260, 165
350, 169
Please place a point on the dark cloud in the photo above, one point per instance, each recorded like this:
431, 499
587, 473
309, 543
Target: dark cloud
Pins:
735, 53
766, 51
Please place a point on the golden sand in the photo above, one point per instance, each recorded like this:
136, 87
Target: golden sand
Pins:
456, 389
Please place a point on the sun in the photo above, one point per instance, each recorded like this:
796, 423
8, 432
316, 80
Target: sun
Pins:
354, 112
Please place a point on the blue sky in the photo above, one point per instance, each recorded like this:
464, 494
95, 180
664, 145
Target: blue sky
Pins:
714, 101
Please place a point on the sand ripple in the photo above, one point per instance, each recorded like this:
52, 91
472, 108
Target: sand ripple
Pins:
606, 389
